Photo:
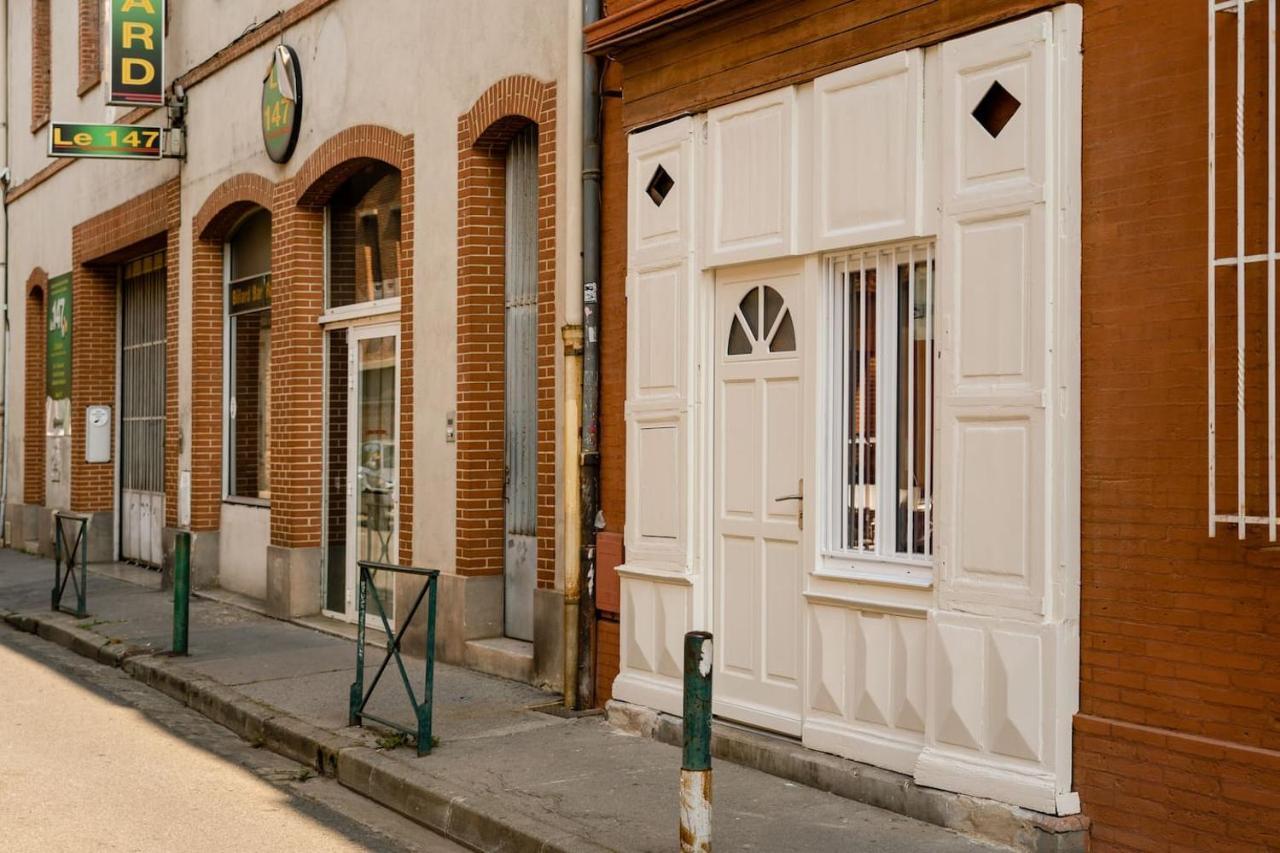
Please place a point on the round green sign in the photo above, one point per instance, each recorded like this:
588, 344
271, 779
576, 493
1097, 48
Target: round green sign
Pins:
282, 104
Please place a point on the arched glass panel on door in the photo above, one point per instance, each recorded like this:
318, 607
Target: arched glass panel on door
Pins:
762, 324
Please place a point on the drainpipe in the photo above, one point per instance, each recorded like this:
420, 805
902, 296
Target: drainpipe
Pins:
5, 177
572, 336
590, 457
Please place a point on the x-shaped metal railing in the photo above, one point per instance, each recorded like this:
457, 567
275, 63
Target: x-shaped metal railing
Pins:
66, 551
359, 697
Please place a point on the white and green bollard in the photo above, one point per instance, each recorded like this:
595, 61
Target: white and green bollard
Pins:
695, 771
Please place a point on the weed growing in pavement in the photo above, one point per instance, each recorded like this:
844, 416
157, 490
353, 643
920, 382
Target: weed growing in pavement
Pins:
391, 741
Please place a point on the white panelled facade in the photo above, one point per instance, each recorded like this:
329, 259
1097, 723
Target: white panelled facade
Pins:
853, 406
663, 419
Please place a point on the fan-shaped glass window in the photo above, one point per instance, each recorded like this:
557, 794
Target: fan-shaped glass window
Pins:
762, 324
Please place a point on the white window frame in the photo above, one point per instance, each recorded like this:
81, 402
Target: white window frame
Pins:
228, 357
882, 563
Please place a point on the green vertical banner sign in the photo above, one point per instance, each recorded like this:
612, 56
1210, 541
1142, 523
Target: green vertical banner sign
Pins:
58, 355
135, 59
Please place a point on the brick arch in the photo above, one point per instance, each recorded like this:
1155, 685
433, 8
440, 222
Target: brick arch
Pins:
344, 154
503, 109
33, 427
483, 134
227, 204
298, 299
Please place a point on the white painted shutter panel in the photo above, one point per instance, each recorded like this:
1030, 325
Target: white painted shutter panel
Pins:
868, 175
752, 179
659, 578
995, 274
659, 321
1004, 643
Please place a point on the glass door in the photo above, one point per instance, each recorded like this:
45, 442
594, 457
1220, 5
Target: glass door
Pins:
373, 419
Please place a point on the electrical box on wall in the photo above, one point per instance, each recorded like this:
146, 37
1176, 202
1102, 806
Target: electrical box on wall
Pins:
97, 434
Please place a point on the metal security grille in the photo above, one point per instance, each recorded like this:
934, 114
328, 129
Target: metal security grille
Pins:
881, 368
1242, 256
142, 401
521, 330
521, 398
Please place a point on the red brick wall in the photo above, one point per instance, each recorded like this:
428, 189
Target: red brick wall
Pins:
613, 359
1178, 740
90, 45
483, 133
33, 428
41, 64
98, 245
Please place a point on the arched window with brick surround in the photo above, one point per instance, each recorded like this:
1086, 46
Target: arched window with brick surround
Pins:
506, 437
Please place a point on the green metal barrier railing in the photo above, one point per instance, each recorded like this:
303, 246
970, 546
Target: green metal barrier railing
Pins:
359, 697
66, 551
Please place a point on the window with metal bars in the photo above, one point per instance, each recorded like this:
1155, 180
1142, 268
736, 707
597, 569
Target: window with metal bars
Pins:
1242, 256
881, 388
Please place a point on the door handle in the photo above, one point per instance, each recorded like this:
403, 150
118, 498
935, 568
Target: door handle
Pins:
799, 497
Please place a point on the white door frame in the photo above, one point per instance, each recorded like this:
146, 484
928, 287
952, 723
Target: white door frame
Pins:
807, 343
356, 333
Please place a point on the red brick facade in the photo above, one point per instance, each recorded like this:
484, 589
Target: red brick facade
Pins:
147, 223
613, 360
483, 134
33, 427
41, 64
90, 45
1177, 744
1178, 740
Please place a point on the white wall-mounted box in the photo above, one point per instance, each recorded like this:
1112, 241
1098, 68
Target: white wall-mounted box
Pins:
97, 434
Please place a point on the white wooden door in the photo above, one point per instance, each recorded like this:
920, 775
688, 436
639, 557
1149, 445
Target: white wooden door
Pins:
759, 506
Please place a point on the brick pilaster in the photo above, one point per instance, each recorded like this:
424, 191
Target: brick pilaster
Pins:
33, 427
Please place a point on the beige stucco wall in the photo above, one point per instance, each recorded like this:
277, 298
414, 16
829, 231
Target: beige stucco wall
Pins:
411, 65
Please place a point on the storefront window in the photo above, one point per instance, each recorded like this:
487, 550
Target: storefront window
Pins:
364, 238
249, 359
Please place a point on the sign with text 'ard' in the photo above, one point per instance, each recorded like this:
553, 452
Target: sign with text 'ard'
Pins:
105, 141
135, 60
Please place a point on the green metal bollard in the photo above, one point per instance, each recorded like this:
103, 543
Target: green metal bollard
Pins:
56, 598
181, 592
695, 770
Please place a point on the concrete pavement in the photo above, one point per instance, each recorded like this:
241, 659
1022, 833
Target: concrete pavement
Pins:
504, 776
93, 760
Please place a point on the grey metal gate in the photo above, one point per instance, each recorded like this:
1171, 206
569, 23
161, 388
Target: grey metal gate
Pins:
142, 400
521, 398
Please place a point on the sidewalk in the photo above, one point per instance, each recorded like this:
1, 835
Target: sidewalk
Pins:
503, 777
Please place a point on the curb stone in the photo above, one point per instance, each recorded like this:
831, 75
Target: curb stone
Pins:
468, 817
462, 815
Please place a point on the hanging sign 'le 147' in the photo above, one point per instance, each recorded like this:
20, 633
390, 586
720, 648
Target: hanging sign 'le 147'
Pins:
105, 141
135, 62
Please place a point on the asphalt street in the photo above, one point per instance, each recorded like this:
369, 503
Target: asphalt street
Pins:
90, 759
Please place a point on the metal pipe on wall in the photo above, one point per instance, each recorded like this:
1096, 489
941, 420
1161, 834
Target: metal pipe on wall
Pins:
584, 687
572, 335
5, 177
